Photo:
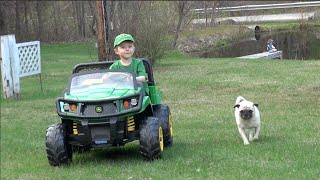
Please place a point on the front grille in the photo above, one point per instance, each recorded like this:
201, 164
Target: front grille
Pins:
107, 109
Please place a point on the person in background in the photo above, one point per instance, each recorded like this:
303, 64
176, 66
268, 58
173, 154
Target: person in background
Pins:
270, 46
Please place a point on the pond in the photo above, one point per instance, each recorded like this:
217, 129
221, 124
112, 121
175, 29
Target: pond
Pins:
295, 44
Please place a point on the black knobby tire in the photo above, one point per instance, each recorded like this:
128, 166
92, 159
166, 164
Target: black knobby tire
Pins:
58, 151
149, 139
162, 111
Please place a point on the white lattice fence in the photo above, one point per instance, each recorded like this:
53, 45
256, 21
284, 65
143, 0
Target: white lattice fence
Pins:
18, 60
29, 56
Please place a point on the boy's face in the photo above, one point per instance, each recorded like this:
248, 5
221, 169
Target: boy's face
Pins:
125, 50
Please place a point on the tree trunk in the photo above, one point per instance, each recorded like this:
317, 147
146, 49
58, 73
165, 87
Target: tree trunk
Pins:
181, 7
176, 36
101, 31
76, 6
119, 16
26, 20
82, 20
39, 7
109, 15
135, 21
56, 19
79, 13
205, 12
213, 12
18, 28
94, 18
3, 27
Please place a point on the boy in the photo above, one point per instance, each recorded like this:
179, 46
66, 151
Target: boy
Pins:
124, 48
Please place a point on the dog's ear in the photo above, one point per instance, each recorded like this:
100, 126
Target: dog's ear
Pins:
237, 105
257, 105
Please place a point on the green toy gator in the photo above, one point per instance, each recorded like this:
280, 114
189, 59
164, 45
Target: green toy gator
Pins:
103, 108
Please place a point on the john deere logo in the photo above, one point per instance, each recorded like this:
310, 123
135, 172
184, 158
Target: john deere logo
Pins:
99, 109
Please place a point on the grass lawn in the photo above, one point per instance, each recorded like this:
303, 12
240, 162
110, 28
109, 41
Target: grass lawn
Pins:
201, 94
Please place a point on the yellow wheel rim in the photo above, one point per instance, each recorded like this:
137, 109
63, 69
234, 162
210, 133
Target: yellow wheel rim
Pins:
170, 125
161, 138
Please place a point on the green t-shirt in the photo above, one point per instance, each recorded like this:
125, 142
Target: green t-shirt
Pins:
136, 66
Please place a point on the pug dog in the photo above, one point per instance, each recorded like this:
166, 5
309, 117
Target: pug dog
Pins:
248, 119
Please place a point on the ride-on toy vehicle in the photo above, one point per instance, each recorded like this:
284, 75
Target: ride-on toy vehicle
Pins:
102, 108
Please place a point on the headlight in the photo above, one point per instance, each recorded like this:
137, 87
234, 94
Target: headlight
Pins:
66, 107
126, 104
130, 103
73, 107
134, 101
69, 107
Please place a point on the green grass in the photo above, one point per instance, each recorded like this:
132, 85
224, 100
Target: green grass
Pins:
290, 25
201, 94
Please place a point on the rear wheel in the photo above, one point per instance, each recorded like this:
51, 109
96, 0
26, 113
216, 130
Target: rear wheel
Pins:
163, 113
58, 151
151, 139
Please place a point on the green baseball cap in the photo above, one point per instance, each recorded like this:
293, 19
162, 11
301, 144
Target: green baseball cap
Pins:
122, 37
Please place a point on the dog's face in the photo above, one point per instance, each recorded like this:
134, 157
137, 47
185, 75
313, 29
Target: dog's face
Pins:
246, 109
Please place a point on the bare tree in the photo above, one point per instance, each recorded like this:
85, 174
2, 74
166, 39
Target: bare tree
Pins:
182, 8
94, 19
18, 21
109, 15
26, 19
3, 24
215, 5
39, 9
101, 31
80, 17
148, 21
206, 12
56, 19
151, 27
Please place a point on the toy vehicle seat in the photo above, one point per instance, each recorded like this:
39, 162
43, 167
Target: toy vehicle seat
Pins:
92, 66
149, 71
106, 64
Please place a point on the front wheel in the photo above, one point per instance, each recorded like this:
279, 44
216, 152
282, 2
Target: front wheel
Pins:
58, 151
151, 139
163, 113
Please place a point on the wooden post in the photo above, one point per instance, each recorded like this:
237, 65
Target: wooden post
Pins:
10, 67
102, 55
6, 68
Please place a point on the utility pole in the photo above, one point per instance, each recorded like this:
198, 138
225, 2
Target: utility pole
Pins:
102, 55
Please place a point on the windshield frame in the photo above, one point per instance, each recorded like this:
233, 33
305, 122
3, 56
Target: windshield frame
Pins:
67, 90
